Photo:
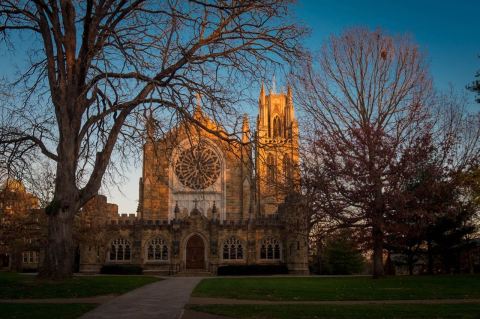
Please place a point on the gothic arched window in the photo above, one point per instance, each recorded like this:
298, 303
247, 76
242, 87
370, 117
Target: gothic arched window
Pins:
287, 168
270, 248
277, 127
232, 249
120, 250
157, 249
270, 169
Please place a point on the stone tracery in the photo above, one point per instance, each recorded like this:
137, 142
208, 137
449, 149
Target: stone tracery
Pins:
198, 167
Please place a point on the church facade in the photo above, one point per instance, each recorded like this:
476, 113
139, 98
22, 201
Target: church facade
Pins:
206, 202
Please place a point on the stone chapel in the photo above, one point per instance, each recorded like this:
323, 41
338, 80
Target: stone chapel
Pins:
205, 202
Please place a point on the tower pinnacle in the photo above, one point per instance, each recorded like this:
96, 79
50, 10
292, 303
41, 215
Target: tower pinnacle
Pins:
245, 129
150, 127
197, 114
274, 88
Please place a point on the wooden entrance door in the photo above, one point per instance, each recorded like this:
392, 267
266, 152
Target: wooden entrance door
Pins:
195, 253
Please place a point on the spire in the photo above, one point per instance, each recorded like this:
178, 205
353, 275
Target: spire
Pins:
150, 128
199, 99
197, 114
245, 129
288, 111
261, 99
273, 85
262, 106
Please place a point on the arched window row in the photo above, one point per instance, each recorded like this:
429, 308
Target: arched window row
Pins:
270, 249
120, 250
232, 249
157, 250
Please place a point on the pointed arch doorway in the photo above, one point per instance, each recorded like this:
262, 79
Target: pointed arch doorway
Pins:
195, 253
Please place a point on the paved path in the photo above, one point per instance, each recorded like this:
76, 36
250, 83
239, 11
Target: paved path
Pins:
226, 301
163, 300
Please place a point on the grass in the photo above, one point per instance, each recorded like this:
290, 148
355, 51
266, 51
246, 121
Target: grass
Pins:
18, 286
470, 311
341, 288
43, 311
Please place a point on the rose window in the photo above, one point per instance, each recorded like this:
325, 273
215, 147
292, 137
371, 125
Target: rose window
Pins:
198, 167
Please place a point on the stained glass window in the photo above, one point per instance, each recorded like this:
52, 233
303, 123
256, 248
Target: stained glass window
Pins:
232, 249
120, 250
198, 167
270, 249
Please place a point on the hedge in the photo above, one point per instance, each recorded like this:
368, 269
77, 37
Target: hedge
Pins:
248, 270
121, 270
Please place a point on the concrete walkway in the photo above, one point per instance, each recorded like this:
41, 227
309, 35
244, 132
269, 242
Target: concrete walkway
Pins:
164, 300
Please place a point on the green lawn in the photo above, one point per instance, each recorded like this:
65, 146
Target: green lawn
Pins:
341, 288
471, 311
43, 311
15, 286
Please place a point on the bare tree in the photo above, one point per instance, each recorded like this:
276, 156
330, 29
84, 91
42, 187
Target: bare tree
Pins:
368, 94
456, 132
95, 66
475, 86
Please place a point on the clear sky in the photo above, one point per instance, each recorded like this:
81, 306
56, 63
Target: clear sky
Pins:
447, 31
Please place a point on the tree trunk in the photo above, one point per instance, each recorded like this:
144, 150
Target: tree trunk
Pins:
59, 252
410, 262
430, 257
471, 269
377, 235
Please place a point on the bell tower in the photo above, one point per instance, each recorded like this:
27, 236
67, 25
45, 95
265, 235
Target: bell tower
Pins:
277, 155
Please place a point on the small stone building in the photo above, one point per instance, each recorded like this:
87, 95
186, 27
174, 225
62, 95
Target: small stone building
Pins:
205, 202
22, 228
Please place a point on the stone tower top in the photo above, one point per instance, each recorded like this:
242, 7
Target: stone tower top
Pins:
276, 114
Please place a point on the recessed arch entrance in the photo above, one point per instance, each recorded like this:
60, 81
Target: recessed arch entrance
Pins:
195, 253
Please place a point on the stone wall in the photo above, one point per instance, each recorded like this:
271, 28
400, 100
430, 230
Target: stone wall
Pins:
176, 234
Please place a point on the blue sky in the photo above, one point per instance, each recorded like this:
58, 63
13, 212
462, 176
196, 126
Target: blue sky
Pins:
447, 31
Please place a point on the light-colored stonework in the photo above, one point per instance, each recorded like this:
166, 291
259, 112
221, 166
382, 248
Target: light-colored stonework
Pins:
205, 202
203, 198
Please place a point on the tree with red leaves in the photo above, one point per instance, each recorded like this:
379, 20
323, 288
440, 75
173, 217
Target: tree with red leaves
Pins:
368, 94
